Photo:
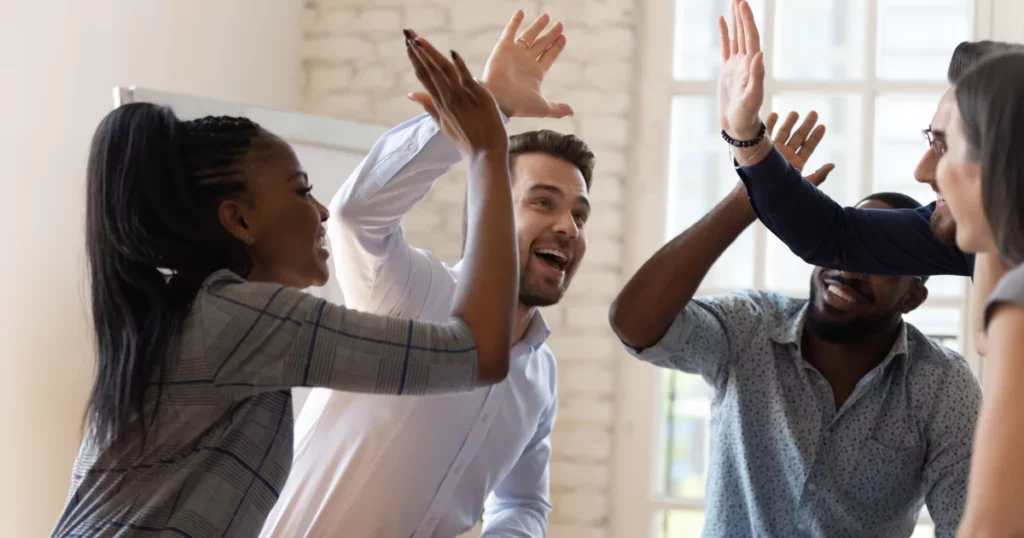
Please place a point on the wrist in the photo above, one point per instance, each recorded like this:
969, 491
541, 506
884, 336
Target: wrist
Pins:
490, 155
740, 203
748, 132
754, 154
747, 135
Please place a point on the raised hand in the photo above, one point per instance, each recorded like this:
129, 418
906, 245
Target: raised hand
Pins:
741, 81
798, 147
465, 111
517, 66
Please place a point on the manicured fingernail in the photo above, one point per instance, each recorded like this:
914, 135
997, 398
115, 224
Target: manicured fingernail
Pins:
455, 56
407, 34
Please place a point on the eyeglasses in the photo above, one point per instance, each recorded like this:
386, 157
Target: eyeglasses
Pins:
937, 143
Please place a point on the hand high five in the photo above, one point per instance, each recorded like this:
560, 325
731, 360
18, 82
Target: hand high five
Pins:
741, 81
798, 147
517, 66
461, 107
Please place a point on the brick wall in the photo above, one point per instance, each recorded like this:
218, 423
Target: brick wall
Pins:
355, 67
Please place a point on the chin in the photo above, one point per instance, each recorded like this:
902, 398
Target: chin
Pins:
944, 227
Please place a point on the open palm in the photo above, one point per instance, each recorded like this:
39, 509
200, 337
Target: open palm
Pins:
741, 81
516, 68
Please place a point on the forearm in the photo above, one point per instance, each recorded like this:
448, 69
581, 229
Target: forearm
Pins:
824, 233
988, 269
396, 174
486, 294
663, 286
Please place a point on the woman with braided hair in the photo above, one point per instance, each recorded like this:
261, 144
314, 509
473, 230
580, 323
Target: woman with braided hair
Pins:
200, 235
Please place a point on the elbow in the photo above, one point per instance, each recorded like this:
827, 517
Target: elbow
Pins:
492, 364
629, 326
981, 342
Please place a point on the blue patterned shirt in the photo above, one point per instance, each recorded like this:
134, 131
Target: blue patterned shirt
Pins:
785, 462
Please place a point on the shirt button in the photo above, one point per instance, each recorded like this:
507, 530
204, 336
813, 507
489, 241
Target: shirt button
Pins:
801, 527
812, 487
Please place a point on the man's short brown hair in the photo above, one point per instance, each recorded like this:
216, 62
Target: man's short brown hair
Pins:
568, 147
970, 53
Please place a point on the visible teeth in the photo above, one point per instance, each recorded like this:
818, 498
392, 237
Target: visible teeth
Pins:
552, 252
837, 291
321, 241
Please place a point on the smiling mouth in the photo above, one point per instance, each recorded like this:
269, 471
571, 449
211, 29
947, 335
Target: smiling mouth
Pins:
840, 295
552, 258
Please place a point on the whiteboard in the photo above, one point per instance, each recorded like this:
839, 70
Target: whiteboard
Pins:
329, 149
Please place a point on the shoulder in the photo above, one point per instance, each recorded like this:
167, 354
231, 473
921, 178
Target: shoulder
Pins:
746, 306
934, 367
1009, 290
546, 367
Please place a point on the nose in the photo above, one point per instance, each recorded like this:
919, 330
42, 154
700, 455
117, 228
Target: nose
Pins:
925, 171
566, 226
322, 210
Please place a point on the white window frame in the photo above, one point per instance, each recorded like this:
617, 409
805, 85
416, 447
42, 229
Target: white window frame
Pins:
638, 411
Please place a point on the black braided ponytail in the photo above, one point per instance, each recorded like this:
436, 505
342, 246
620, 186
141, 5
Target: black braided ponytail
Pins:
152, 237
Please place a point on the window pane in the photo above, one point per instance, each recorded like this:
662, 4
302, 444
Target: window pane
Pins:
939, 323
925, 530
679, 524
698, 50
841, 115
899, 144
701, 173
685, 435
917, 37
819, 39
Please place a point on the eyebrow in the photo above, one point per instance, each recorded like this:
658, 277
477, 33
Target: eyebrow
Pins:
555, 190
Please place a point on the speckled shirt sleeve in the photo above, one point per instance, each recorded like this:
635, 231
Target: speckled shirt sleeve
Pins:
950, 438
706, 334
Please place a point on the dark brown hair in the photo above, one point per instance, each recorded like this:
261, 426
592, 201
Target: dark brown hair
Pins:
969, 53
991, 101
564, 146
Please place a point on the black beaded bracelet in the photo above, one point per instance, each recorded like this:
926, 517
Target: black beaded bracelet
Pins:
746, 143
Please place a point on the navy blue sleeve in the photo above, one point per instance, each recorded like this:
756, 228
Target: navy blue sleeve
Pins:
823, 233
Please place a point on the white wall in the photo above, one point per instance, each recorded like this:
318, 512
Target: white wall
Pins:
58, 62
356, 68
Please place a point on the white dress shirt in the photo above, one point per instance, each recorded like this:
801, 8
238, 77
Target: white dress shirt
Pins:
393, 466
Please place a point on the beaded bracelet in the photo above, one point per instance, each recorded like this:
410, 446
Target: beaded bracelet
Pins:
745, 143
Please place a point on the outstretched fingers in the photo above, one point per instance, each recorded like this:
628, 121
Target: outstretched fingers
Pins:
723, 33
512, 28
548, 38
750, 32
530, 34
548, 57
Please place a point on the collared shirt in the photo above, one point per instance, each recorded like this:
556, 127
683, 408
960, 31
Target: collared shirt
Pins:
825, 234
220, 447
392, 467
785, 462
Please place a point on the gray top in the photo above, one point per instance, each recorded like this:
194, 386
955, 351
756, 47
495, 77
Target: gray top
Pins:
1010, 289
785, 462
221, 446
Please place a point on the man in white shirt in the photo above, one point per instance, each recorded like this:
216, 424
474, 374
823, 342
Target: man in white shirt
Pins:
423, 467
